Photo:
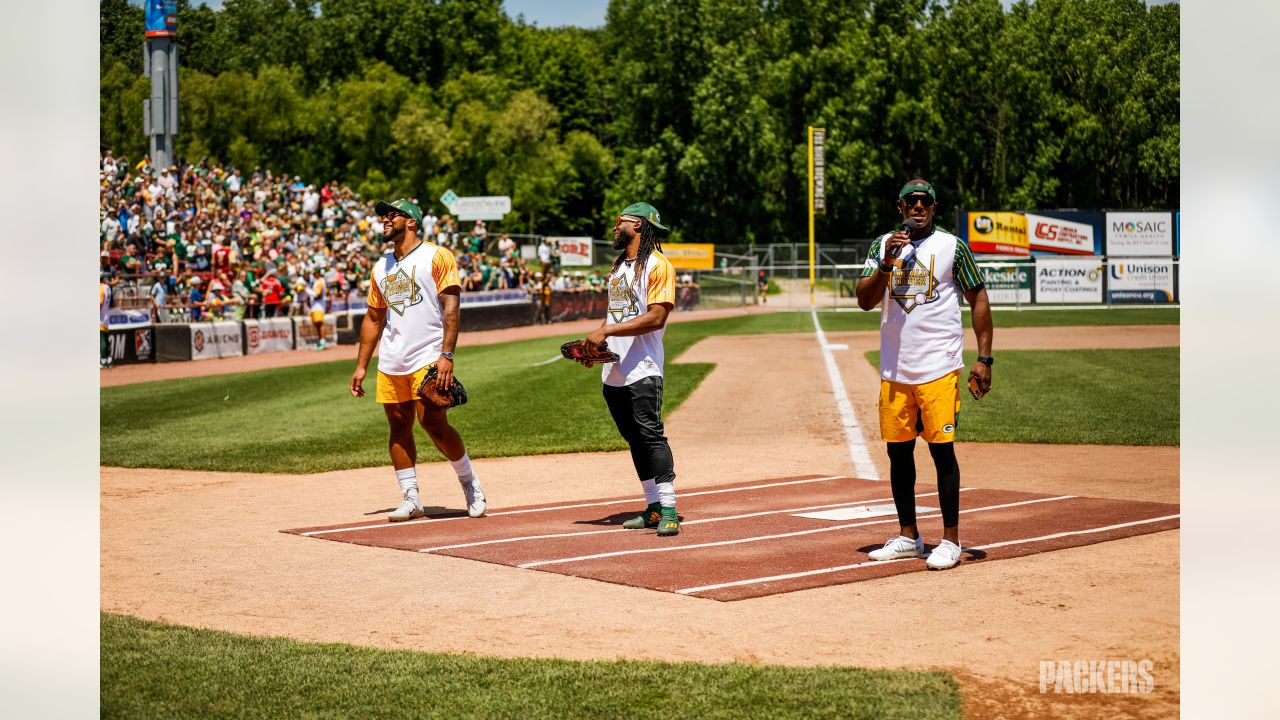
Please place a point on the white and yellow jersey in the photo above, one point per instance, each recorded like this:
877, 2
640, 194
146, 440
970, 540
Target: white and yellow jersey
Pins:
640, 356
921, 335
316, 294
104, 305
409, 288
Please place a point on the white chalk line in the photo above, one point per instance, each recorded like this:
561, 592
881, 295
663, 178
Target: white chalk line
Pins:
778, 536
686, 523
858, 454
854, 566
547, 362
389, 525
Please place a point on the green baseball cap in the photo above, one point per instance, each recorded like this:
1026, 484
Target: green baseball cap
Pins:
383, 207
915, 187
648, 212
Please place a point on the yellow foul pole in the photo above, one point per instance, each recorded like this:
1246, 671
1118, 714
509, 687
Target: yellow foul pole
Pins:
810, 187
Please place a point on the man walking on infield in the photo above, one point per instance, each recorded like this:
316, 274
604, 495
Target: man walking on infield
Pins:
413, 317
642, 292
919, 271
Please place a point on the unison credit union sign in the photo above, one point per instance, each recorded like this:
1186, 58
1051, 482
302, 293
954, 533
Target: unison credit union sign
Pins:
1140, 280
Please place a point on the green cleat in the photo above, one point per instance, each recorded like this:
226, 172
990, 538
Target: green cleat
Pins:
669, 524
647, 519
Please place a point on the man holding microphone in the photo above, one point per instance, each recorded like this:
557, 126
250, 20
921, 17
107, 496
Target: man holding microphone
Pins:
919, 272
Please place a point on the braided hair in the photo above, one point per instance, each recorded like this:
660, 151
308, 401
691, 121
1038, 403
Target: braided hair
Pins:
648, 243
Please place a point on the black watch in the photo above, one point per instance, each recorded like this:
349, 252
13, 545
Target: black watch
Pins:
449, 356
984, 359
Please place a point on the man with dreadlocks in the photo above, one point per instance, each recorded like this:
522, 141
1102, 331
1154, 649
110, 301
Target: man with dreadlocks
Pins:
642, 291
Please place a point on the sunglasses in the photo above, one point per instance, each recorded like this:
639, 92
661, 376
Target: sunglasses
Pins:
911, 200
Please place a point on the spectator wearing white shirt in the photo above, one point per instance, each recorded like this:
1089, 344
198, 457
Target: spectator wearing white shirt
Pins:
429, 224
544, 255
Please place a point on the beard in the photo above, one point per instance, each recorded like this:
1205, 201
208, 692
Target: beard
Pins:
621, 240
394, 234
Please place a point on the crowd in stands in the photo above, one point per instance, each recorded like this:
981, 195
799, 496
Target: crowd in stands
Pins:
206, 241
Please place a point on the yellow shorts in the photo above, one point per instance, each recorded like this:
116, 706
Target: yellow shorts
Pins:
930, 410
317, 316
399, 388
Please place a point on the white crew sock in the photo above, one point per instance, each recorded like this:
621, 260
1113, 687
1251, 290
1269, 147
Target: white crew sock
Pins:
462, 466
408, 478
667, 494
650, 490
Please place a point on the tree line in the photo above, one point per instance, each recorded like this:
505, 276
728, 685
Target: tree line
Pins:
699, 106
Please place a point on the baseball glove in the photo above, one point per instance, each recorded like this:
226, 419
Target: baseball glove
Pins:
452, 396
579, 351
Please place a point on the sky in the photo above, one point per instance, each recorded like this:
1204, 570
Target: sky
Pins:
581, 13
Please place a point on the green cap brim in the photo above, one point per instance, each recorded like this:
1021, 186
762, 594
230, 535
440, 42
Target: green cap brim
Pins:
917, 187
650, 214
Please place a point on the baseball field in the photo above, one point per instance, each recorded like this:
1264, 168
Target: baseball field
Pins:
247, 569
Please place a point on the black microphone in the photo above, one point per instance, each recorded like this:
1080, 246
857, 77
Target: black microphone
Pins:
909, 225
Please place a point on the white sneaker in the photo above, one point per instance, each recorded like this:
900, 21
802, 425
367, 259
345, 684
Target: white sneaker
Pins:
475, 496
946, 555
899, 547
410, 508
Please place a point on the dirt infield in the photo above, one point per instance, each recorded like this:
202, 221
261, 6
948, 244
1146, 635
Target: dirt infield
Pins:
204, 549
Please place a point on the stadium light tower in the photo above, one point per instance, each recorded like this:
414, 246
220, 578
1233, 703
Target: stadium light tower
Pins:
160, 63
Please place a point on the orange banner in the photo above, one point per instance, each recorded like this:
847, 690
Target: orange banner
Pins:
691, 256
1000, 233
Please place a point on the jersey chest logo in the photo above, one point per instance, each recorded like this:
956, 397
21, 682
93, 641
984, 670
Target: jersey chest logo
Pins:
913, 284
401, 291
623, 303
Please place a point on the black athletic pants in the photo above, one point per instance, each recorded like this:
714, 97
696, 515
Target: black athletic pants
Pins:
902, 478
637, 411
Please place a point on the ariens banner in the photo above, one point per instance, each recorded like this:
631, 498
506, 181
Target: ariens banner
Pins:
691, 256
1001, 233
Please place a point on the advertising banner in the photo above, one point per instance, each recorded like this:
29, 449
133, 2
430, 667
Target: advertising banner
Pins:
128, 318
132, 345
819, 140
577, 305
1140, 234
1001, 233
162, 18
478, 298
268, 335
574, 250
305, 331
1059, 235
1008, 283
216, 340
1140, 280
1068, 281
481, 207
691, 256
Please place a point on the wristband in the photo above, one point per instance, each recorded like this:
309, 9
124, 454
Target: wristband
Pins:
886, 272
986, 360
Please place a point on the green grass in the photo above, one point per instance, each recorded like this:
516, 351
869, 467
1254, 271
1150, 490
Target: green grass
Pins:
152, 670
1070, 397
301, 419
